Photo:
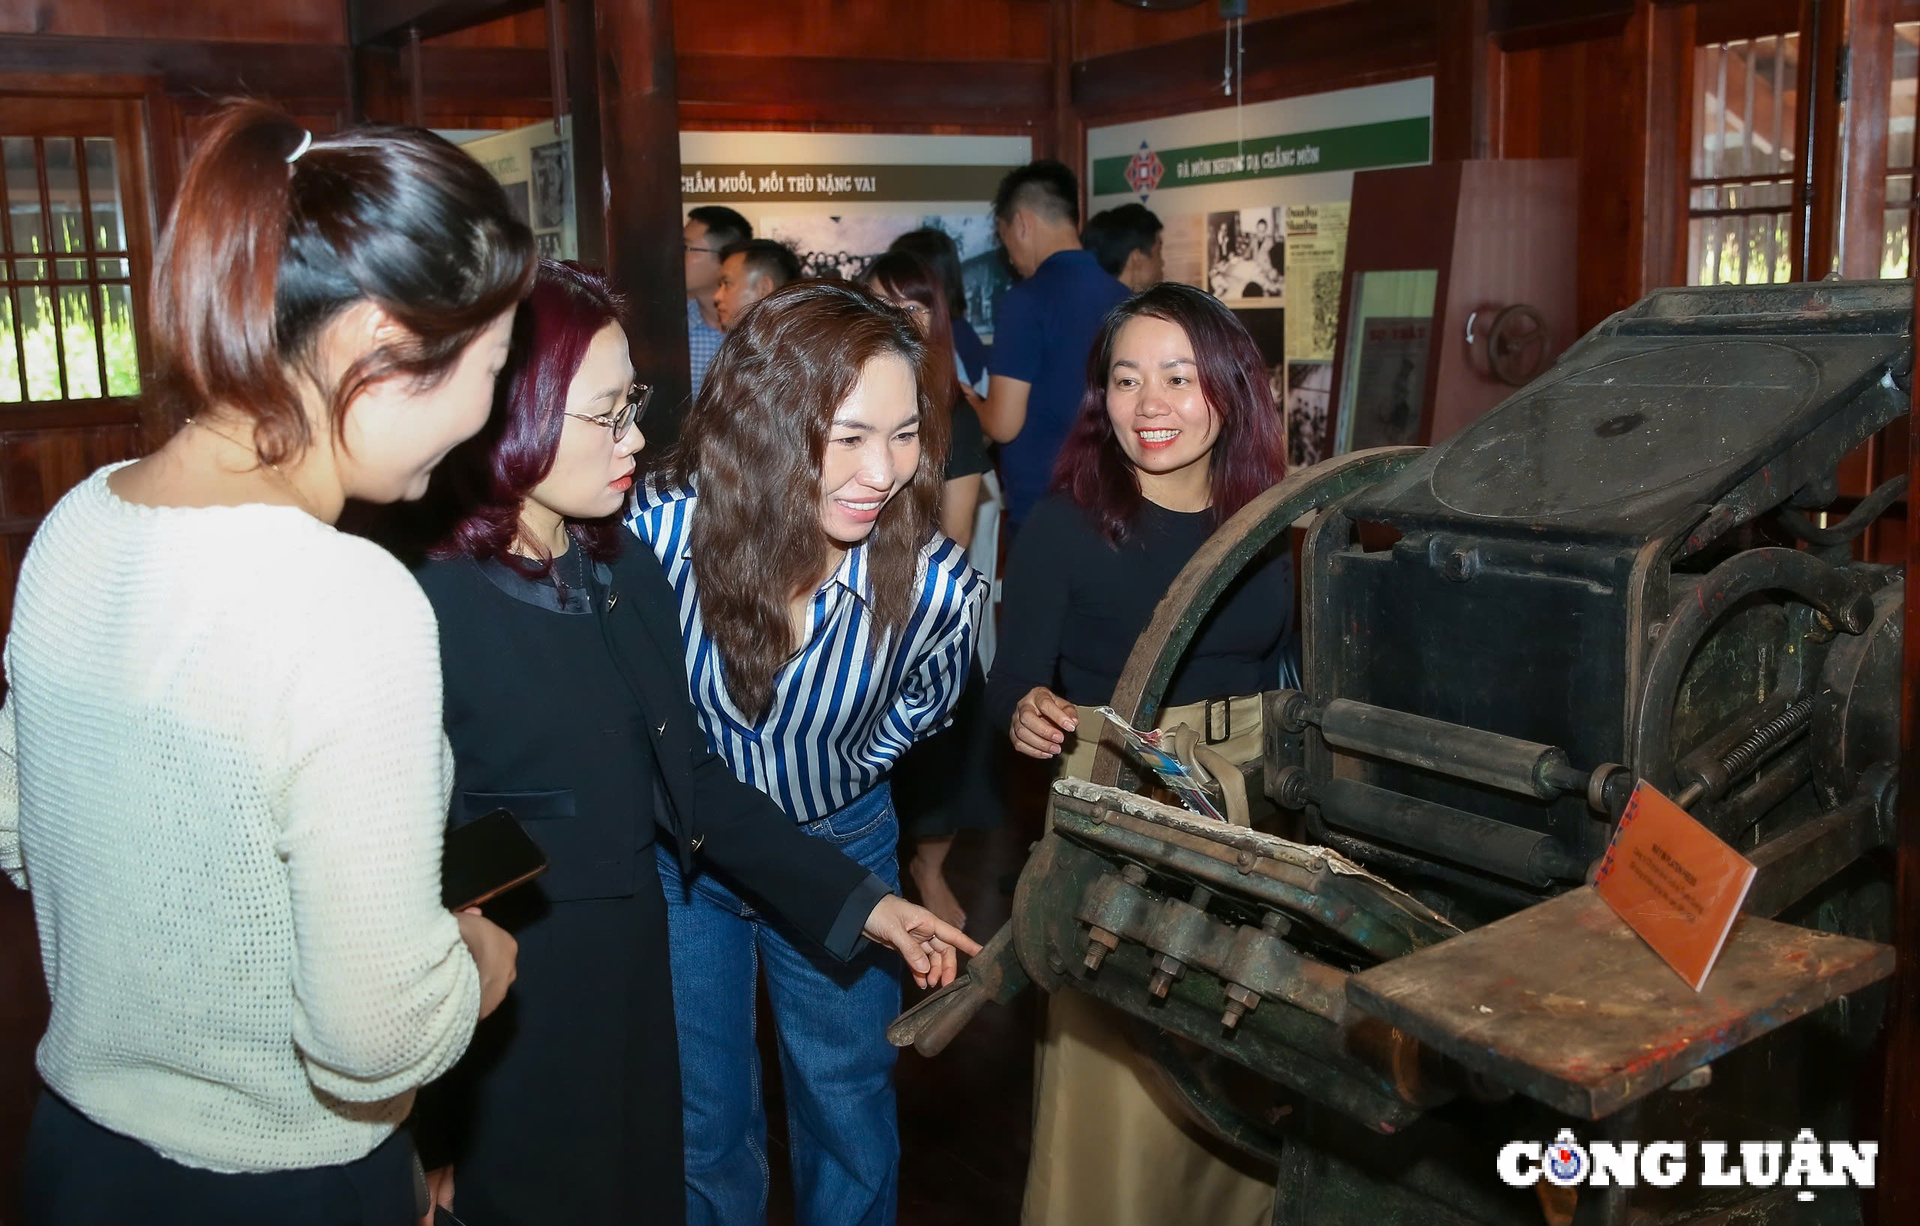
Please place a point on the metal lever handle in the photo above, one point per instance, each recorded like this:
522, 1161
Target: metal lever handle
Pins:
932, 1024
996, 974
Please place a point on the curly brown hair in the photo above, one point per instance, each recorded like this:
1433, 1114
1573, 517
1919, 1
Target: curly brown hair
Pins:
752, 448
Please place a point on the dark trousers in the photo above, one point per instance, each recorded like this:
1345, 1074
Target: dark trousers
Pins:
80, 1174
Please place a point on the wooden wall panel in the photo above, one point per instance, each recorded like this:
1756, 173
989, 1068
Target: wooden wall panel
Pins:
275, 21
802, 88
528, 29
36, 468
1101, 27
1573, 100
472, 87
1720, 21
991, 30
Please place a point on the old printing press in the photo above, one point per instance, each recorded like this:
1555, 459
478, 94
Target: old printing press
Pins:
1615, 575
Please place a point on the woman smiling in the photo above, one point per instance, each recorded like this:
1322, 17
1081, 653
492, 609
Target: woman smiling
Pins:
566, 703
1177, 431
827, 627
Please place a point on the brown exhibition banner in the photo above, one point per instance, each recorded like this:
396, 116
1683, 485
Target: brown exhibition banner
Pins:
703, 183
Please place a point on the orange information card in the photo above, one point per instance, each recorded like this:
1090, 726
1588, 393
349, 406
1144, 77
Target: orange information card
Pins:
1674, 882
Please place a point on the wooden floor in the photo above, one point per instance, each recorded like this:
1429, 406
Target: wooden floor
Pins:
964, 1118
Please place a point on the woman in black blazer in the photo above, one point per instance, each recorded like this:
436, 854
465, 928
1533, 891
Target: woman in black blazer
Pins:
566, 702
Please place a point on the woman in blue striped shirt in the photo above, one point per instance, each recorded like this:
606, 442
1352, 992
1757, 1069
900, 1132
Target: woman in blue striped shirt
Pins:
828, 626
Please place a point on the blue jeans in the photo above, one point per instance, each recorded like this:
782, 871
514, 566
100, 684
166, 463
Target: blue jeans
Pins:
835, 1062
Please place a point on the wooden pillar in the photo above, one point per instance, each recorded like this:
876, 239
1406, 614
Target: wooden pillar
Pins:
416, 81
1664, 37
356, 91
1899, 1194
1863, 150
1465, 84
626, 144
1067, 138
1817, 169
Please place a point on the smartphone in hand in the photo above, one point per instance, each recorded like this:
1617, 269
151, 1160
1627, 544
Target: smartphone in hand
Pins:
485, 858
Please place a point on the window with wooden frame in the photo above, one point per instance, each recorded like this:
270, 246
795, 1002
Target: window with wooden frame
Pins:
75, 238
1897, 242
67, 322
1741, 207
75, 234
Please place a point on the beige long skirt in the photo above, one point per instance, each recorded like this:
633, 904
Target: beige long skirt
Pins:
1110, 1146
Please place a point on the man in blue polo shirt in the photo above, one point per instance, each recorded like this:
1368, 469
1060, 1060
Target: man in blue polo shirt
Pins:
1044, 328
710, 229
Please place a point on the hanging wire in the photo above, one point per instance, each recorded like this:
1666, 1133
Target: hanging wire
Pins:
1226, 62
1240, 81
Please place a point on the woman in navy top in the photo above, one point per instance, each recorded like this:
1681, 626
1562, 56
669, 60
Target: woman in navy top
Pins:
1176, 433
827, 627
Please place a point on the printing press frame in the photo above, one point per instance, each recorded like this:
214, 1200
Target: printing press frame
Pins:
1500, 636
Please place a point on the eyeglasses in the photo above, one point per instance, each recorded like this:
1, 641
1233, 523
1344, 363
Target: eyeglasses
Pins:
708, 250
617, 421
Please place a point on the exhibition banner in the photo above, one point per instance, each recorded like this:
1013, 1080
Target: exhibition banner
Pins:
710, 183
1397, 142
535, 165
839, 199
1253, 201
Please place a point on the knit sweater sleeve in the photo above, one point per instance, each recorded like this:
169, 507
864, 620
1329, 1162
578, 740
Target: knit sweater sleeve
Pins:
386, 994
9, 800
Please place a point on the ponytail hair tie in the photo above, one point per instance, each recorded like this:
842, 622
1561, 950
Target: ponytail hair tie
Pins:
306, 143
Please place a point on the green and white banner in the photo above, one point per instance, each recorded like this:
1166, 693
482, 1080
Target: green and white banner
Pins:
1395, 142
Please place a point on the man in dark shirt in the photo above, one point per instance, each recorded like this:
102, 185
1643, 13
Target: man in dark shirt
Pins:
1044, 328
749, 271
1127, 242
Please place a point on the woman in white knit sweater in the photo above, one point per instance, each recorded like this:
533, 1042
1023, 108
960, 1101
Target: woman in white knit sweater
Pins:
222, 772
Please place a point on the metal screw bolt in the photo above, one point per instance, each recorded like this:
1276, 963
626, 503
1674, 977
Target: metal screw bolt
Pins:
1166, 969
1134, 874
1276, 923
1460, 565
1244, 861
1100, 944
1240, 1002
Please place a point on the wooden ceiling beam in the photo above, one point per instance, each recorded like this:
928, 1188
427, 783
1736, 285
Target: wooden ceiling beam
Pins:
186, 67
509, 81
373, 23
1302, 52
1524, 25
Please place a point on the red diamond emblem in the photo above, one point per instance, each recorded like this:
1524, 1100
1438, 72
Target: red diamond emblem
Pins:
1144, 171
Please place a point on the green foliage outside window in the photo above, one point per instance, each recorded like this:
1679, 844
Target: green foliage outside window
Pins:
77, 332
